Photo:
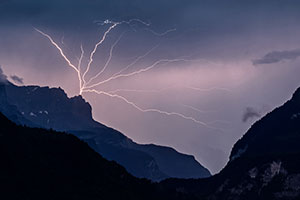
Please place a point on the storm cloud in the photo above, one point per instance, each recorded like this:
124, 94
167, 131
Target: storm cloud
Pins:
277, 56
250, 113
3, 77
17, 79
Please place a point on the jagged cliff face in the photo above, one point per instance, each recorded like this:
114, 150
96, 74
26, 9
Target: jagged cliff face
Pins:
269, 155
10, 110
51, 108
275, 134
264, 163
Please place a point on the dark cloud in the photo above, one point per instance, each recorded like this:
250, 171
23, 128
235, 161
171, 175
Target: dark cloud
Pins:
277, 56
3, 77
17, 79
250, 113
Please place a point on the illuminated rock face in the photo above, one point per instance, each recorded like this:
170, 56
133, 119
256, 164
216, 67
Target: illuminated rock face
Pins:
52, 109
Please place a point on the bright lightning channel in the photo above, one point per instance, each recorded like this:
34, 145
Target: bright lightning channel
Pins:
161, 34
83, 84
95, 49
197, 109
136, 72
113, 25
151, 109
135, 61
108, 60
208, 89
79, 65
63, 55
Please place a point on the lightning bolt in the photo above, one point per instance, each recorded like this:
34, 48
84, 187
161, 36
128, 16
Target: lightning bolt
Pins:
173, 87
95, 49
79, 66
208, 89
160, 34
107, 21
224, 122
133, 90
135, 61
108, 60
196, 109
135, 72
82, 80
113, 25
151, 109
63, 56
85, 87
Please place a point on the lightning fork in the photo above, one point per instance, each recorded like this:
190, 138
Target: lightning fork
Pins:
114, 25
95, 49
63, 55
160, 34
135, 61
135, 72
151, 109
108, 60
79, 66
197, 109
208, 89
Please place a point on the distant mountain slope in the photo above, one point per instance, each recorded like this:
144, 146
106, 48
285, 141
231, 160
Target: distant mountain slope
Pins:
264, 164
10, 110
51, 108
41, 164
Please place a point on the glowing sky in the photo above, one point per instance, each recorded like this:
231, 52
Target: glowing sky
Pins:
242, 61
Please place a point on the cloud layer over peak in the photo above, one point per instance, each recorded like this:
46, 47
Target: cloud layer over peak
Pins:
277, 56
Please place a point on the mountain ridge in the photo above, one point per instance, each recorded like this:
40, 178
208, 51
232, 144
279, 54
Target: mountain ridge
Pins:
264, 163
52, 108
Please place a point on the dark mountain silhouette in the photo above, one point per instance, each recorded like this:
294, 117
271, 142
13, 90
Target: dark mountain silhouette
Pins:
46, 107
264, 163
45, 164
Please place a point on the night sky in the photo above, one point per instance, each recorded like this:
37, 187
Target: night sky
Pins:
241, 61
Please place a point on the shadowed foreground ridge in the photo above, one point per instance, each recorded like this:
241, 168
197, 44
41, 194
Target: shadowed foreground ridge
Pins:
41, 164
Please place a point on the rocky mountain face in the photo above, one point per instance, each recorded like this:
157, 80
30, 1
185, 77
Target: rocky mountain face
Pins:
264, 163
10, 110
51, 108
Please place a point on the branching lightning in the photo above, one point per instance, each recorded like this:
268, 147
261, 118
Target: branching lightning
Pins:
87, 86
160, 34
79, 65
135, 72
151, 109
63, 55
134, 90
196, 109
208, 89
95, 49
135, 61
107, 62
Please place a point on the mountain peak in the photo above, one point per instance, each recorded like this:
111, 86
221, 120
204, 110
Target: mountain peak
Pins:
51, 107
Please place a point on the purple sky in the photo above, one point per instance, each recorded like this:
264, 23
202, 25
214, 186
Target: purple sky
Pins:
243, 61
